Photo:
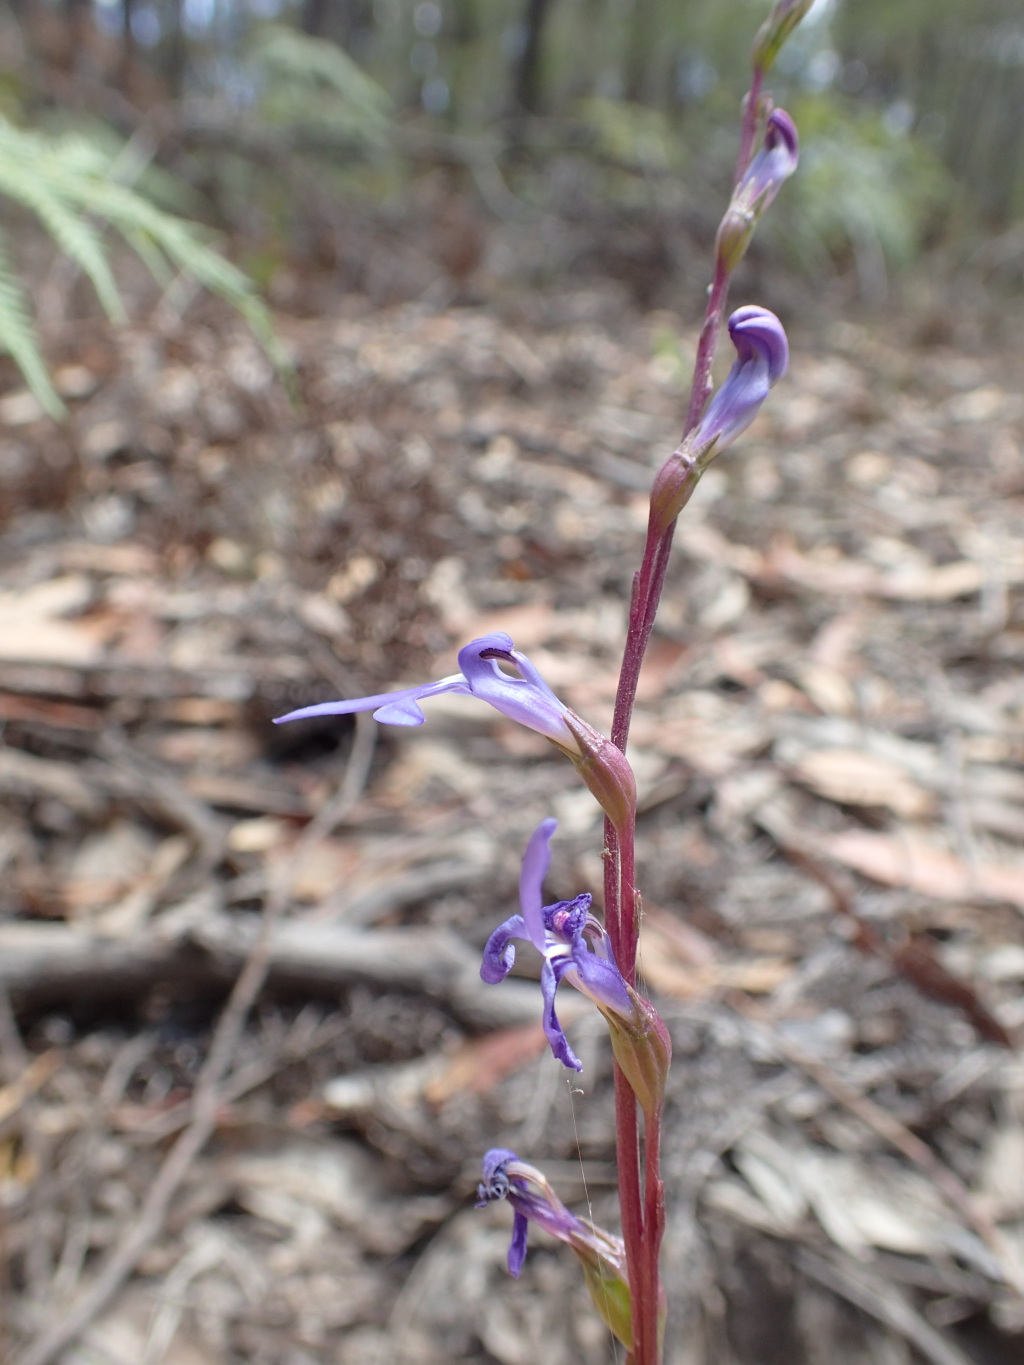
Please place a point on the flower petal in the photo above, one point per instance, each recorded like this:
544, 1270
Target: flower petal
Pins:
536, 860
494, 1162
393, 708
550, 975
774, 163
499, 955
757, 334
517, 1247
762, 354
526, 699
599, 980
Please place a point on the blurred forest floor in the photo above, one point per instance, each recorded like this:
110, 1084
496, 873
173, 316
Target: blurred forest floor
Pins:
830, 754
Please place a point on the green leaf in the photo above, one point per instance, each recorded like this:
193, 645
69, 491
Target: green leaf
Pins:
70, 184
72, 232
18, 338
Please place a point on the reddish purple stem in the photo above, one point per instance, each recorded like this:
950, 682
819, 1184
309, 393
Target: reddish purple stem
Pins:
642, 1201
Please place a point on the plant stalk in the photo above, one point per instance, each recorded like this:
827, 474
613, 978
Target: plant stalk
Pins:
642, 1204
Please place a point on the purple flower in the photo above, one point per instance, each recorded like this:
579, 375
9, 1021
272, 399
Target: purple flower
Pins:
534, 1201
773, 164
761, 182
526, 698
574, 946
602, 1256
762, 354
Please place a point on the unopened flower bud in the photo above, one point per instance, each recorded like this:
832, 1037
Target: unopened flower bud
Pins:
784, 17
773, 164
762, 355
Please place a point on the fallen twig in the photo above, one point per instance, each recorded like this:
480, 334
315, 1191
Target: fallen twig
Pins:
206, 1100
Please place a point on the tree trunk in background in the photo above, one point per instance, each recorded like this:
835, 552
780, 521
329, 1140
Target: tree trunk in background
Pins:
314, 17
127, 39
79, 20
174, 49
526, 82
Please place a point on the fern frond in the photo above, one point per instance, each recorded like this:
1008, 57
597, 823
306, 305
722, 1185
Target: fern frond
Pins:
313, 82
70, 185
18, 338
144, 225
72, 232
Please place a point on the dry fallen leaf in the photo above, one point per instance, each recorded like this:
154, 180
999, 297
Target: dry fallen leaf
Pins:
855, 778
907, 860
481, 1063
31, 624
668, 964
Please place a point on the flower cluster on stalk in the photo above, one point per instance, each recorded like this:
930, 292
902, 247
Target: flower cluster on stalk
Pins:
573, 944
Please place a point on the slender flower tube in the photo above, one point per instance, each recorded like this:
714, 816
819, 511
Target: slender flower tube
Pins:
574, 946
762, 355
773, 164
602, 1256
526, 699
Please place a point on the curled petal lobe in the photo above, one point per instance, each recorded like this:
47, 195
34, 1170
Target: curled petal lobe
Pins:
780, 132
774, 164
760, 337
526, 699
762, 355
499, 955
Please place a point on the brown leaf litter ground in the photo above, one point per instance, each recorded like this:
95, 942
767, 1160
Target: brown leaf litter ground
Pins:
830, 756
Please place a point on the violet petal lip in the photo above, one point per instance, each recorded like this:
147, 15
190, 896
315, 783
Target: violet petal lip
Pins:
526, 699
551, 974
762, 357
773, 164
517, 1246
574, 946
758, 334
